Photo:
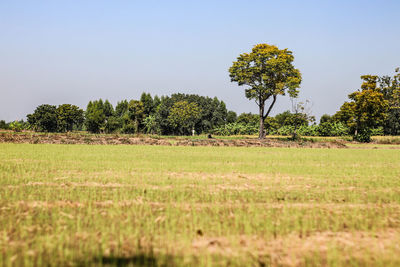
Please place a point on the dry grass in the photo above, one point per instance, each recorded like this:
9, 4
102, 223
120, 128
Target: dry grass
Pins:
198, 206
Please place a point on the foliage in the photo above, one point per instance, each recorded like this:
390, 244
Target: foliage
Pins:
267, 72
231, 117
287, 118
363, 135
378, 131
332, 129
121, 108
325, 118
370, 108
113, 124
3, 125
213, 113
392, 122
16, 126
248, 118
134, 117
150, 125
235, 128
367, 109
148, 104
44, 118
95, 118
183, 117
69, 116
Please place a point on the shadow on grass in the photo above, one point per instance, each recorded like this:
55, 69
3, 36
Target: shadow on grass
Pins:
141, 259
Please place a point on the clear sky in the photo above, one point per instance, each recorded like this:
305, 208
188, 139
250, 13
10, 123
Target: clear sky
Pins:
58, 52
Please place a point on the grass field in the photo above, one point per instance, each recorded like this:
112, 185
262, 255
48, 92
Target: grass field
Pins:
198, 206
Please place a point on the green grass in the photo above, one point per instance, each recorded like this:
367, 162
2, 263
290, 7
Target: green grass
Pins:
198, 206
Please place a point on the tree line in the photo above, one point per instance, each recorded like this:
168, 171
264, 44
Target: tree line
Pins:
267, 72
178, 114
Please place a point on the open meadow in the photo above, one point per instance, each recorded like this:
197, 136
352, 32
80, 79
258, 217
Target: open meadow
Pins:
90, 205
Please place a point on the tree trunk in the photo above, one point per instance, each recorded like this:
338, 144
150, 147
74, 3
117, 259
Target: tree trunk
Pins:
261, 133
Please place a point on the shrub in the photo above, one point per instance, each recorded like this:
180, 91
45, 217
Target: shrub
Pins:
16, 126
332, 129
363, 136
377, 131
3, 125
236, 129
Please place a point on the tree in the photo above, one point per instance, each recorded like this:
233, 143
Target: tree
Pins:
133, 118
3, 125
390, 87
148, 104
247, 118
108, 109
183, 116
121, 108
287, 118
366, 110
346, 115
301, 115
150, 124
267, 72
95, 117
69, 116
231, 117
44, 118
213, 112
370, 111
325, 118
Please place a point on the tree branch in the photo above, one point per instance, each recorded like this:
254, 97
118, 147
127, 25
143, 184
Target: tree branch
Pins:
270, 108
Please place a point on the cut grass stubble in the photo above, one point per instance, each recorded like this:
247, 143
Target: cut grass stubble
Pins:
155, 205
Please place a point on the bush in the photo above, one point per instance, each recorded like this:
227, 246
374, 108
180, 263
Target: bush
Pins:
363, 136
3, 125
311, 130
377, 131
285, 130
16, 126
333, 129
236, 129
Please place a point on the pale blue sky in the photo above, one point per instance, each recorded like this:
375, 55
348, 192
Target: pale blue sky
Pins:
58, 52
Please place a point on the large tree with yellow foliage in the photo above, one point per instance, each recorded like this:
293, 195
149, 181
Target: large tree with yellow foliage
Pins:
267, 72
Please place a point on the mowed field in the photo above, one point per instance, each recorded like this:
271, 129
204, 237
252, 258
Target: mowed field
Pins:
90, 205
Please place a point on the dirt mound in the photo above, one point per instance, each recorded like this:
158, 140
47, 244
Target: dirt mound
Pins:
75, 138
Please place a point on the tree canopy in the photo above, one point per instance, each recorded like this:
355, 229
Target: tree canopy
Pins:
267, 71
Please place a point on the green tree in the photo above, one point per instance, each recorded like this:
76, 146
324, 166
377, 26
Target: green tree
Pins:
133, 119
346, 115
213, 112
44, 118
150, 124
231, 117
156, 102
267, 72
121, 108
248, 118
366, 110
69, 116
3, 125
287, 118
183, 116
108, 109
325, 118
370, 111
94, 116
390, 87
148, 105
